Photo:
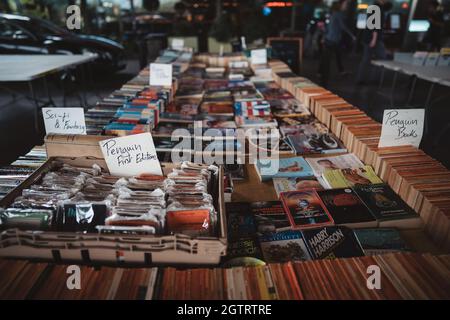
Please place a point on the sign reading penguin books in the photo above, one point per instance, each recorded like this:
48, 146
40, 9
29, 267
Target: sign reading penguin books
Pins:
131, 155
402, 127
64, 120
160, 74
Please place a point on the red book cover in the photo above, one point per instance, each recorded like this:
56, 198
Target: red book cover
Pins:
305, 209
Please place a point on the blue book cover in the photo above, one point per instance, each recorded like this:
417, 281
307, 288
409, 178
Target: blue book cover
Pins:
283, 246
381, 240
296, 167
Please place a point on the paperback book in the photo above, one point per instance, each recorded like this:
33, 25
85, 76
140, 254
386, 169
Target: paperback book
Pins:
387, 207
347, 209
283, 246
332, 242
319, 165
342, 178
269, 216
295, 167
376, 241
305, 209
293, 184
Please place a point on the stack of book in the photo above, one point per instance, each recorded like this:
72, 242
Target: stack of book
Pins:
18, 171
421, 181
402, 277
314, 224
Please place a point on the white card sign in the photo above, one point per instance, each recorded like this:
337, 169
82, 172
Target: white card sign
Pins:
64, 120
177, 44
160, 74
259, 56
402, 127
131, 155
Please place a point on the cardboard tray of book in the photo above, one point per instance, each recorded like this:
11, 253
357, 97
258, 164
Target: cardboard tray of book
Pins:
84, 151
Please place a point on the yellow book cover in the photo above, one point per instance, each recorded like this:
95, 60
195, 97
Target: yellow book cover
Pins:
344, 178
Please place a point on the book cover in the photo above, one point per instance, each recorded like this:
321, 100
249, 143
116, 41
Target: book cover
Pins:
305, 209
319, 165
283, 168
383, 202
283, 246
309, 140
293, 184
241, 231
343, 178
332, 242
269, 216
346, 208
381, 240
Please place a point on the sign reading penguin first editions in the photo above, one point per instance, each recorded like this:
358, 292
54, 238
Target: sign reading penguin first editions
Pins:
160, 74
64, 120
402, 127
131, 155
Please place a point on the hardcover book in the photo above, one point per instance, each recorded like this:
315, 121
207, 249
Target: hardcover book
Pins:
305, 209
332, 242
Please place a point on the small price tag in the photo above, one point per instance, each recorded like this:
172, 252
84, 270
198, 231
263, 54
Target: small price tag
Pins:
177, 44
160, 74
259, 56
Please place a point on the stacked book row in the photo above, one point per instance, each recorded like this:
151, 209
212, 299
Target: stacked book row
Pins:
389, 276
18, 171
421, 181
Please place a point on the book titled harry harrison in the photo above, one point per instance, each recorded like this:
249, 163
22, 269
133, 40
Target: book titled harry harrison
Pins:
332, 242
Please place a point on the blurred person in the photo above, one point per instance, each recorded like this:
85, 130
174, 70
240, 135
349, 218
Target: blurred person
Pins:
332, 40
139, 29
182, 20
373, 43
432, 38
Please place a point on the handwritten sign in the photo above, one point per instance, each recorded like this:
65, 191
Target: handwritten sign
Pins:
64, 120
131, 155
402, 127
259, 56
160, 74
177, 44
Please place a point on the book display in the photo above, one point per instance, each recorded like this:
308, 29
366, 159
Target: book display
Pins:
271, 188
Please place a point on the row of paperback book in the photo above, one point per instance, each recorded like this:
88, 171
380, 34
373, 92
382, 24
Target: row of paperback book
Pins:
264, 231
18, 171
402, 276
421, 181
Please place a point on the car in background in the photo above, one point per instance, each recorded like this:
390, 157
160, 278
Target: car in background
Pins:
27, 35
